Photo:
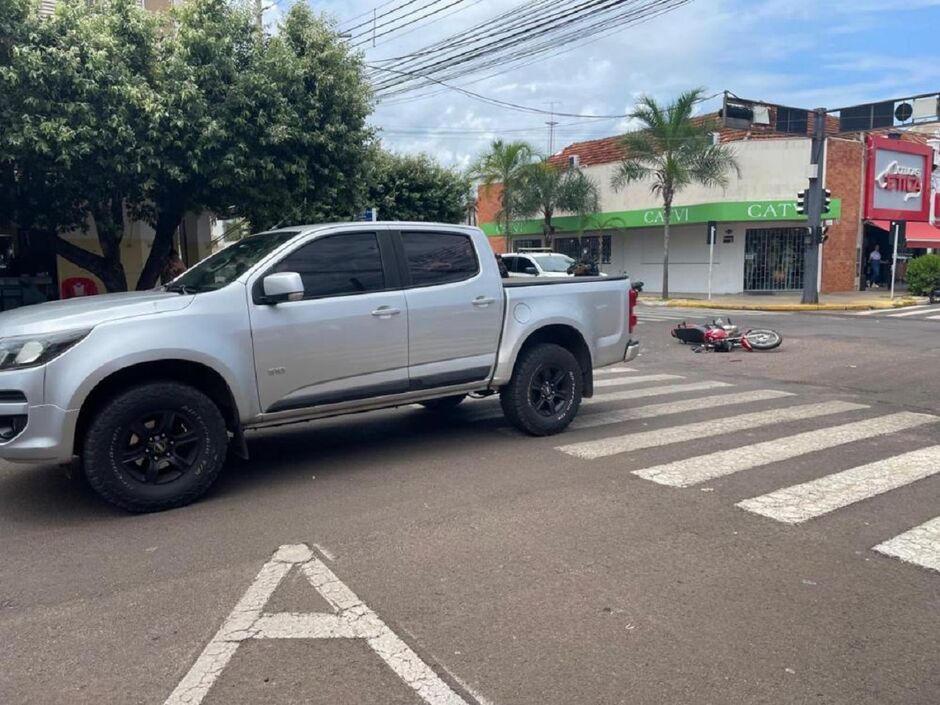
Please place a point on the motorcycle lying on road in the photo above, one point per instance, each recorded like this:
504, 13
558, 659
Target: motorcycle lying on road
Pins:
719, 336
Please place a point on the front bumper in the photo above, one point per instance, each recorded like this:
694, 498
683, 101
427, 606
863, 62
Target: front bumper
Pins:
633, 349
40, 432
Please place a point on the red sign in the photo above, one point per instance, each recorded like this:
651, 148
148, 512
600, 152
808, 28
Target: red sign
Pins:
898, 181
74, 287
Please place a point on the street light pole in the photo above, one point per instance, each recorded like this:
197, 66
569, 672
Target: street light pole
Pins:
814, 202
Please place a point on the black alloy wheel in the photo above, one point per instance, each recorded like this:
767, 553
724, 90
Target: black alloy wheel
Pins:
550, 390
160, 447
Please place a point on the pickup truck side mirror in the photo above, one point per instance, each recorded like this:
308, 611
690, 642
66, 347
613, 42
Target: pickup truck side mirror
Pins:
283, 286
531, 270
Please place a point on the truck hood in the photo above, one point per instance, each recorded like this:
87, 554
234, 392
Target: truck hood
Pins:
87, 311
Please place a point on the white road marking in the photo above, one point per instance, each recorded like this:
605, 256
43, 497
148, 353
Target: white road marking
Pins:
675, 407
933, 318
486, 413
352, 620
799, 503
920, 545
685, 473
627, 394
910, 311
326, 553
613, 371
604, 447
633, 379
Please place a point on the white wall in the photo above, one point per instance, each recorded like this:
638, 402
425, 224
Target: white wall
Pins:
639, 253
770, 170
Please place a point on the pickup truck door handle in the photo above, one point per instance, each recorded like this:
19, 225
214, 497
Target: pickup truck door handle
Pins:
385, 312
483, 301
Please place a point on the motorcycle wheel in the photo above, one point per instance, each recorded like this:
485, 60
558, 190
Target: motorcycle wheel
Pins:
764, 338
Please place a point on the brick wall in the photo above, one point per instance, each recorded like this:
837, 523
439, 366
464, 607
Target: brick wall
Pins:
844, 175
487, 209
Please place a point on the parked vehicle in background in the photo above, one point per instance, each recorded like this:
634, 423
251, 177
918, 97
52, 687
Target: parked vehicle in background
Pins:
151, 389
538, 263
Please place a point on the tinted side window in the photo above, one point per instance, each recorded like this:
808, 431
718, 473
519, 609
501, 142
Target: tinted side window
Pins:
525, 263
511, 263
439, 258
337, 265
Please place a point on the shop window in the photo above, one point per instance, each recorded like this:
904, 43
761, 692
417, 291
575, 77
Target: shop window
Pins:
519, 245
773, 259
598, 247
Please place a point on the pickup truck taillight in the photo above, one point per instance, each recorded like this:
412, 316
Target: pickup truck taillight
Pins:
631, 308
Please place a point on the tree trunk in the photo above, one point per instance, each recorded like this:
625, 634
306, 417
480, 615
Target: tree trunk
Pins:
109, 271
168, 221
667, 215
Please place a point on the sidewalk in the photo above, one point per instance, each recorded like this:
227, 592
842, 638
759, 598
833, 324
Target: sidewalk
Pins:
847, 301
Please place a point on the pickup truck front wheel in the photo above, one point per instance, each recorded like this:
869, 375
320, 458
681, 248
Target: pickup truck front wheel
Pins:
544, 393
156, 446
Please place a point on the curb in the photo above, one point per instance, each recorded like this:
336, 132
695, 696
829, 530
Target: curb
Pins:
848, 306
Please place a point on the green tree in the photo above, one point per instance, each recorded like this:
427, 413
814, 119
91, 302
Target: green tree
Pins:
405, 187
112, 114
270, 128
546, 189
923, 274
672, 150
76, 118
505, 164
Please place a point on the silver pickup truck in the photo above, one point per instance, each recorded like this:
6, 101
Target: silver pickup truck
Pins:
151, 389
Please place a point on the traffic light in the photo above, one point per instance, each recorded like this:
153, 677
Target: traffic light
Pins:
826, 200
801, 203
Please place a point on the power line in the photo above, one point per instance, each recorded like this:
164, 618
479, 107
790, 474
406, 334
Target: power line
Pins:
461, 8
521, 30
372, 36
486, 56
378, 17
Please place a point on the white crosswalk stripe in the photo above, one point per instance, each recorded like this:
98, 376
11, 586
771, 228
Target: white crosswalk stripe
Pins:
646, 392
613, 371
677, 434
727, 462
799, 503
675, 407
919, 312
633, 379
909, 311
920, 545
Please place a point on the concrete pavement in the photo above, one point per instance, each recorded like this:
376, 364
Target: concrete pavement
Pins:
518, 571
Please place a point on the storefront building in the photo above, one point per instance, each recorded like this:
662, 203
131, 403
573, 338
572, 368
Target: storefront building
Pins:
758, 232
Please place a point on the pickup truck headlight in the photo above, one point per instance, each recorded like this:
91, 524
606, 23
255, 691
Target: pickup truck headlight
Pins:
34, 350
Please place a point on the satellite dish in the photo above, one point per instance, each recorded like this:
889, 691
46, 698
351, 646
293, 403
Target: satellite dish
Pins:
903, 112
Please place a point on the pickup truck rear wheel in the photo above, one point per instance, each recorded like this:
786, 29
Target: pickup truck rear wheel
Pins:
156, 446
544, 393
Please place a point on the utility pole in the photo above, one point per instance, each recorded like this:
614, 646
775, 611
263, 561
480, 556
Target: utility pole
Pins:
551, 128
814, 205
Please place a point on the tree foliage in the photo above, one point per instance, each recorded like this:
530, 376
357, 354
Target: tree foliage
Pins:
505, 163
405, 187
672, 150
923, 274
545, 189
111, 113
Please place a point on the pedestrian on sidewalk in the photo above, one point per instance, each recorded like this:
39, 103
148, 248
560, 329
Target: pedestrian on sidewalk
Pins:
874, 261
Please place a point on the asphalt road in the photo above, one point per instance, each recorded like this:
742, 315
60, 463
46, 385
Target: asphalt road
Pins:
446, 559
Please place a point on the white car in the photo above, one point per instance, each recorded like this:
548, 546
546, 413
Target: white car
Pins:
538, 264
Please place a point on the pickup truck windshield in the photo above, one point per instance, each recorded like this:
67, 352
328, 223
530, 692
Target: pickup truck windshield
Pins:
555, 263
225, 266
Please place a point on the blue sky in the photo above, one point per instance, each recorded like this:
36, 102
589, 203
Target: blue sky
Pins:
796, 52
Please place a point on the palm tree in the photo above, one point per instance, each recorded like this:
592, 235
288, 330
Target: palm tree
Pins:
505, 164
545, 189
672, 150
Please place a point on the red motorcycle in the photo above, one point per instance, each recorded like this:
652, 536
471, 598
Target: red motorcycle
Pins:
719, 336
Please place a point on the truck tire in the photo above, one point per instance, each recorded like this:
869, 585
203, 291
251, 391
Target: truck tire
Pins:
444, 403
544, 393
156, 446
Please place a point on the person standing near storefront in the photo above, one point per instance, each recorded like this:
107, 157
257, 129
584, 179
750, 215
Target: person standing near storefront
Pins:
874, 262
